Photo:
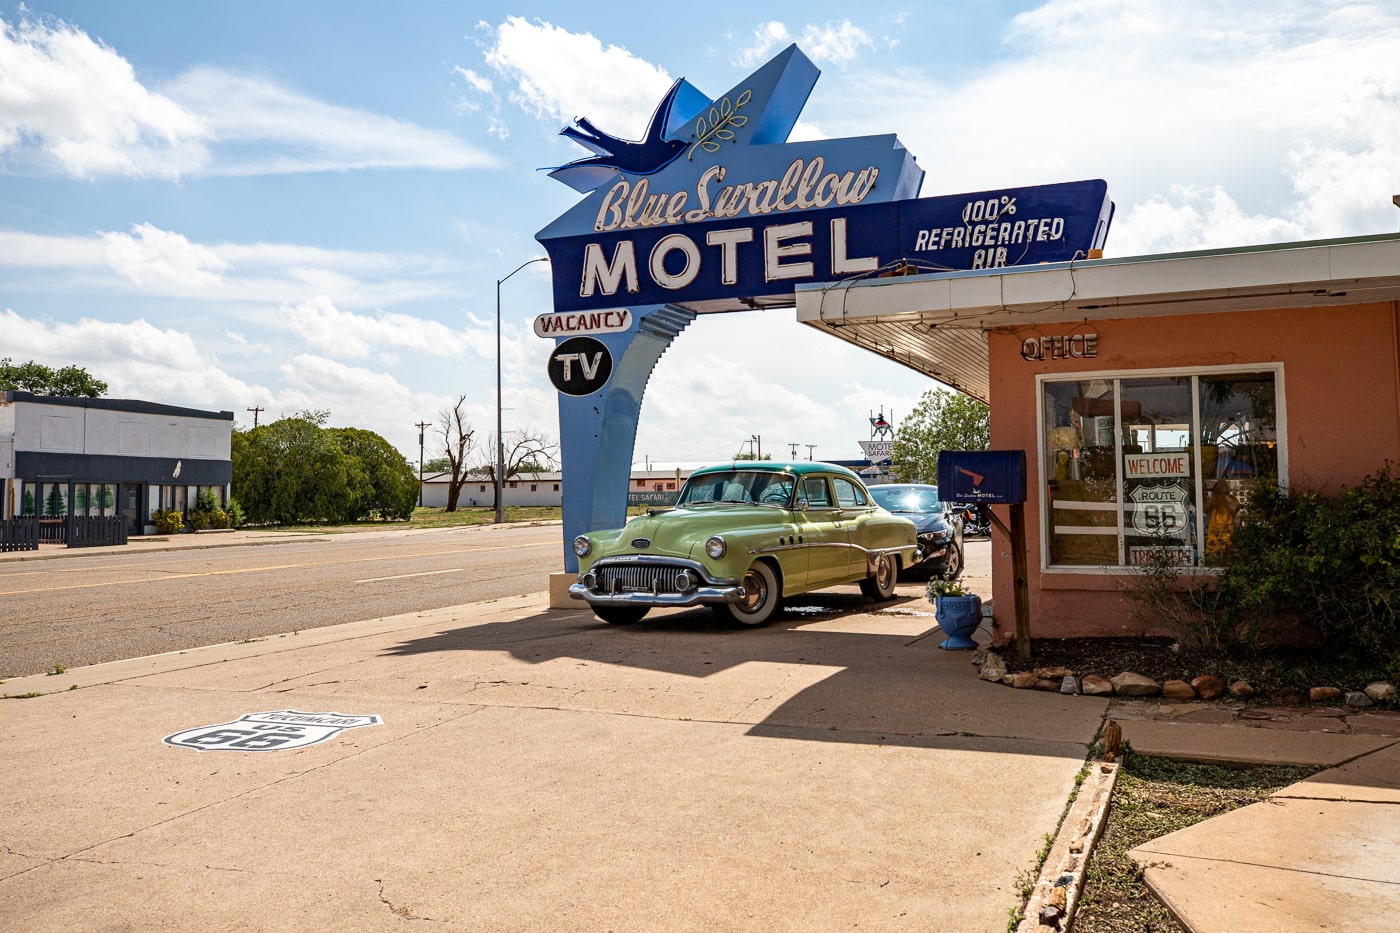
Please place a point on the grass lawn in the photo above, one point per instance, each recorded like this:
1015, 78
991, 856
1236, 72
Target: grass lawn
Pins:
1156, 796
436, 518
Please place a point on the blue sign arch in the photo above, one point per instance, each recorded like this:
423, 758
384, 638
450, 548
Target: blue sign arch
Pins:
714, 210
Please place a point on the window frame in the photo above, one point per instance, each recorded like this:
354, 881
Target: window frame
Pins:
1115, 376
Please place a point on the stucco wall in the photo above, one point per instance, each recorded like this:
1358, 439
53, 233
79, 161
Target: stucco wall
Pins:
1341, 396
94, 431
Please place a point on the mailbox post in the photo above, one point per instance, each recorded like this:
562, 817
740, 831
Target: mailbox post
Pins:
995, 477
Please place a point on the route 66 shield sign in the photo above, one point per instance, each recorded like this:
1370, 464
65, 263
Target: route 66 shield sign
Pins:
274, 731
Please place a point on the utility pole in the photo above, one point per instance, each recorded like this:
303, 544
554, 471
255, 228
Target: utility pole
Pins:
794, 445
809, 451
255, 414
420, 426
758, 439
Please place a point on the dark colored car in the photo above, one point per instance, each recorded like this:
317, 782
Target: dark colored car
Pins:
940, 531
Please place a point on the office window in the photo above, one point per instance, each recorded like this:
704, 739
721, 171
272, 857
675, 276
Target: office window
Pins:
1134, 463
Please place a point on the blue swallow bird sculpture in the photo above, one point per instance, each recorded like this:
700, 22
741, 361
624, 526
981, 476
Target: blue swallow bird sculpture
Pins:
645, 157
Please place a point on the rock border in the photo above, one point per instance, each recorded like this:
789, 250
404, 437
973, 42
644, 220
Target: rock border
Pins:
992, 667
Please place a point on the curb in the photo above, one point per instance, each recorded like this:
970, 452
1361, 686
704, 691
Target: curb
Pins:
1051, 905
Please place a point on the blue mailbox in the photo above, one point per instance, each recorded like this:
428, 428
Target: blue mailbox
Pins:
983, 476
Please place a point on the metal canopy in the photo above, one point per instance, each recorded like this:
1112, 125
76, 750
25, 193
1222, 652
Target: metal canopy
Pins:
937, 324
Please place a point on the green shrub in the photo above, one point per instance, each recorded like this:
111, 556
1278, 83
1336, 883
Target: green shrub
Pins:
1326, 564
235, 513
168, 521
220, 519
199, 520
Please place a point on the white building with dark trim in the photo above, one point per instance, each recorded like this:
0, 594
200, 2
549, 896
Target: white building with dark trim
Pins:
104, 457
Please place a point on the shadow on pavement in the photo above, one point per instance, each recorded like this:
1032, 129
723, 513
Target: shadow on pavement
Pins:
834, 666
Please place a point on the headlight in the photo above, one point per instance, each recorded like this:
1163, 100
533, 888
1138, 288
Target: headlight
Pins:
715, 547
582, 546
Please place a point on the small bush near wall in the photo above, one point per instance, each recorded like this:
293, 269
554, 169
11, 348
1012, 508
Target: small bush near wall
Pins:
1185, 601
168, 521
1330, 562
1302, 568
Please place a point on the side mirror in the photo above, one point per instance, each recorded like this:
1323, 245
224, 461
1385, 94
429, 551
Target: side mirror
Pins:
802, 504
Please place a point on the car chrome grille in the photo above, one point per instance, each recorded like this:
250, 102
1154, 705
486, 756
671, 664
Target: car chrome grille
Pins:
638, 578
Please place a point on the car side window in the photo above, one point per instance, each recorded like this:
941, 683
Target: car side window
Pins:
848, 495
815, 492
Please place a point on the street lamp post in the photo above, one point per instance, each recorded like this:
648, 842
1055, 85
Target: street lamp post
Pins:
500, 439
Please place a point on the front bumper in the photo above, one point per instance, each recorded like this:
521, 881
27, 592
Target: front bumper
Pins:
700, 596
646, 580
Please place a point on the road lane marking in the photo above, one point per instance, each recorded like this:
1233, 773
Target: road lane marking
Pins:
404, 576
163, 577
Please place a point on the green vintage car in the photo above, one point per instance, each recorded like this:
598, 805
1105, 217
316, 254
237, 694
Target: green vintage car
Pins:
741, 537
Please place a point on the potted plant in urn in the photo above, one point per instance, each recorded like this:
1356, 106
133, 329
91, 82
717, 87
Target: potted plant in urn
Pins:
958, 612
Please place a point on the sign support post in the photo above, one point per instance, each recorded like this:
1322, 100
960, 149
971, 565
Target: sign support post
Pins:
1016, 534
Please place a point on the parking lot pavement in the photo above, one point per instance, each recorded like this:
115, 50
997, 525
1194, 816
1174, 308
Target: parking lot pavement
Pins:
536, 770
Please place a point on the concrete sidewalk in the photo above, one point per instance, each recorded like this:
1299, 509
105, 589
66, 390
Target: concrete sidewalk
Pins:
537, 770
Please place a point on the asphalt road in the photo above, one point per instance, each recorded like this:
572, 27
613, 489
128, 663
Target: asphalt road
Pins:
88, 609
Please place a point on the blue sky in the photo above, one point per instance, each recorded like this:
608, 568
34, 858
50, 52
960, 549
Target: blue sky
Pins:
307, 206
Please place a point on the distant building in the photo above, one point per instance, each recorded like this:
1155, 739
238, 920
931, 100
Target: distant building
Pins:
647, 487
102, 456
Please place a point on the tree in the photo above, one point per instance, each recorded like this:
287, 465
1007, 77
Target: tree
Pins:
437, 465
458, 442
527, 451
390, 489
292, 471
68, 381
942, 420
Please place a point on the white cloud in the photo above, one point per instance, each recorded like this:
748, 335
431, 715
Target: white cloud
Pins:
831, 43
560, 74
141, 361
161, 263
290, 132
35, 250
136, 360
75, 104
767, 37
836, 44
1195, 218
706, 396
478, 83
1247, 120
151, 255
359, 397
343, 334
71, 104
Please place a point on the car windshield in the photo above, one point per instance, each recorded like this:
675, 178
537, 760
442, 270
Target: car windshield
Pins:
738, 487
904, 499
